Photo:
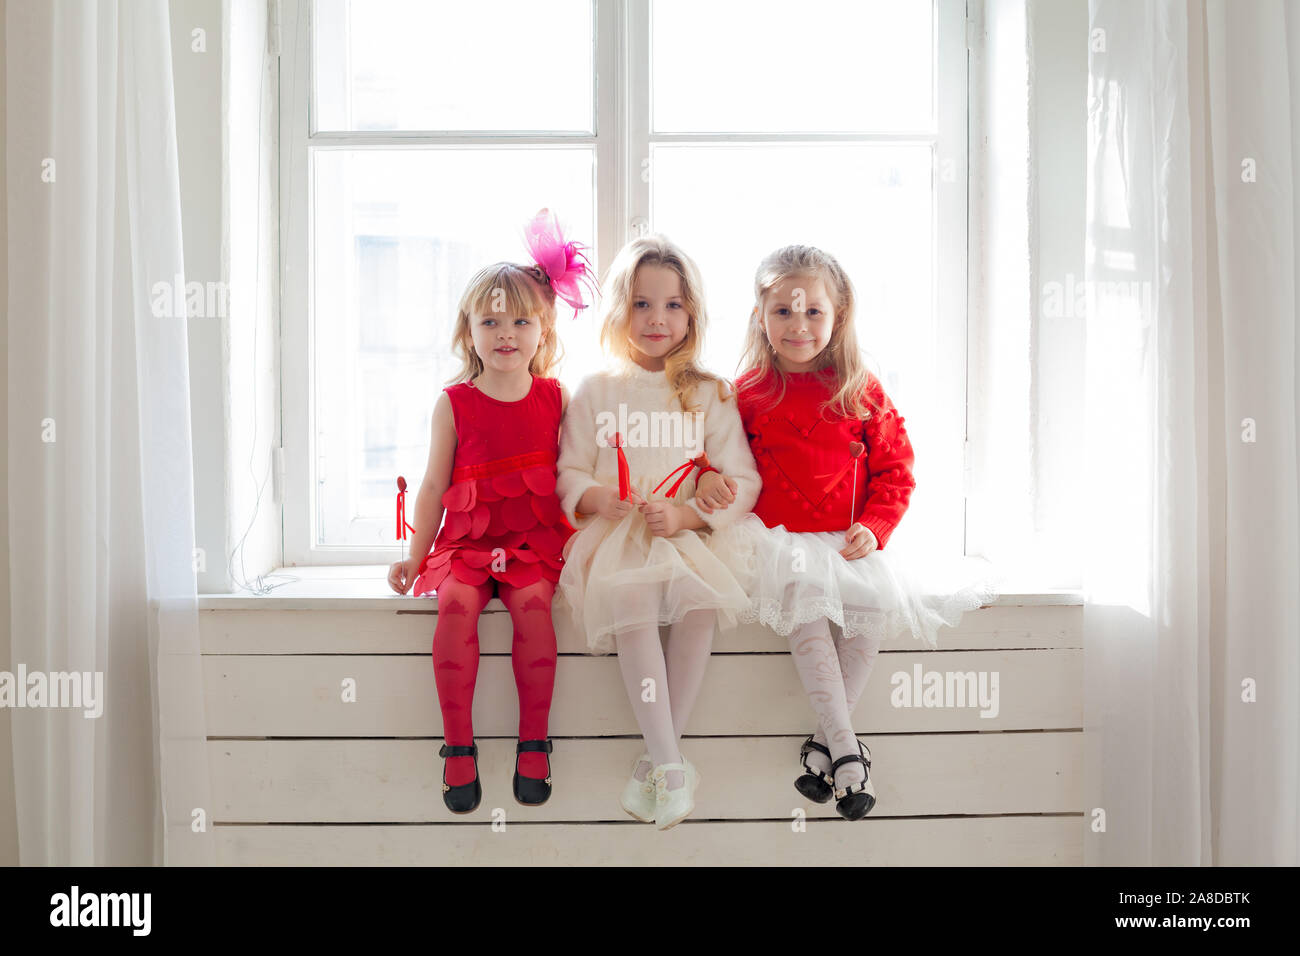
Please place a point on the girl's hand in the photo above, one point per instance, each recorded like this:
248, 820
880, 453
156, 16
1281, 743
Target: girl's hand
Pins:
663, 518
714, 490
609, 505
402, 574
861, 542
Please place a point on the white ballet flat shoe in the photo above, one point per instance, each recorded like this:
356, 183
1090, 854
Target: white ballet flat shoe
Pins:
638, 798
674, 806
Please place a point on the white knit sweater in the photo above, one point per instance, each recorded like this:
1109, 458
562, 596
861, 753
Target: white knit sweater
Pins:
658, 437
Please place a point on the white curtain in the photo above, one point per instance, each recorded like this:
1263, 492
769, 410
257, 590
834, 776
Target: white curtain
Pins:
1192, 621
100, 474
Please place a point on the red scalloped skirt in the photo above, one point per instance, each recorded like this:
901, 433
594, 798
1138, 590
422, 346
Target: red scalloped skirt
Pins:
501, 524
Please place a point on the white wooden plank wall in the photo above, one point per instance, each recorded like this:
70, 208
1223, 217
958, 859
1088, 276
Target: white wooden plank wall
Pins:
299, 776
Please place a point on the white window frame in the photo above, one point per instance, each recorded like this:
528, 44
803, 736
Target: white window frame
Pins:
622, 140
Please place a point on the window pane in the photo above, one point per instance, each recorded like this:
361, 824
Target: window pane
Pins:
398, 234
773, 66
869, 206
420, 65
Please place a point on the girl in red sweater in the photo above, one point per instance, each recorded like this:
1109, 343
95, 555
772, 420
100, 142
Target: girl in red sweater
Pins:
836, 466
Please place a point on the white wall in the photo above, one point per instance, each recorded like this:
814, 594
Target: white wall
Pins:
1057, 35
227, 171
1028, 191
251, 253
1000, 322
197, 78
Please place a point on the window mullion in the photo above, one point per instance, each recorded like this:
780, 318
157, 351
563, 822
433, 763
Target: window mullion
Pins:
639, 171
611, 203
296, 411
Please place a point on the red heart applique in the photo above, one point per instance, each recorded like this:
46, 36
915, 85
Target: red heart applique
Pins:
799, 460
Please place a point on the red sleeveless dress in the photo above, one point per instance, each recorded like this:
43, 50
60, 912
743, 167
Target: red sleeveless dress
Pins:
502, 518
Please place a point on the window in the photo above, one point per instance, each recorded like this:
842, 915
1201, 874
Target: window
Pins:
418, 137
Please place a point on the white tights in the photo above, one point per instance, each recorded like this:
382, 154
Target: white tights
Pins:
677, 675
834, 675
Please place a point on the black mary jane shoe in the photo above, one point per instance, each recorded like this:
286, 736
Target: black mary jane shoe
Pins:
529, 790
856, 800
813, 784
464, 797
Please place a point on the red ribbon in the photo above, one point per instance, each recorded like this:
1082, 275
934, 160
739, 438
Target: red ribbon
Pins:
700, 461
853, 460
503, 466
839, 475
624, 473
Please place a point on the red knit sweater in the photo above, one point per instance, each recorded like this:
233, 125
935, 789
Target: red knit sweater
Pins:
798, 455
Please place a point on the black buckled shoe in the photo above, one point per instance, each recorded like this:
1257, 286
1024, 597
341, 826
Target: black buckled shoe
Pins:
529, 790
856, 800
465, 797
814, 784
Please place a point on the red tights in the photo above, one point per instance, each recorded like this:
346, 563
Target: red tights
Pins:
455, 665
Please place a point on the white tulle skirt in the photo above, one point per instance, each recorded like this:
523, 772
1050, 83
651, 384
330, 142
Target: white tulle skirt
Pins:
617, 576
793, 578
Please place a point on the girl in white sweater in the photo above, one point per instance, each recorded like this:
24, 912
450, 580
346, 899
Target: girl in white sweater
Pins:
634, 443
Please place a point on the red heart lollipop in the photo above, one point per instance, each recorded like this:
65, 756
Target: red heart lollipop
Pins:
402, 526
856, 448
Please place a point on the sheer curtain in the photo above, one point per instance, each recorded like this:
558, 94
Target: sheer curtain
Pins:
100, 475
1192, 621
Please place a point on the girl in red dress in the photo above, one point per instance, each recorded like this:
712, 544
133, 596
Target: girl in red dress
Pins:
490, 482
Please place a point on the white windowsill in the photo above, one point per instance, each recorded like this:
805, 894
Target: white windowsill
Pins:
365, 588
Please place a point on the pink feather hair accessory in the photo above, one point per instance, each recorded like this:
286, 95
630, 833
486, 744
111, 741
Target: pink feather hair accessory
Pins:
562, 264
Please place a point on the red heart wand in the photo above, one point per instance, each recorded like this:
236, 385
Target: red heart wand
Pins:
856, 449
402, 526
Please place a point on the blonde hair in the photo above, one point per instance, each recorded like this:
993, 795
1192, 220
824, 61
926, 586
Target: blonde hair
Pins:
507, 289
842, 356
681, 364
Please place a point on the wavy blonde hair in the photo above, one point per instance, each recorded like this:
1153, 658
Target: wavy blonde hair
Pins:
681, 365
842, 360
523, 291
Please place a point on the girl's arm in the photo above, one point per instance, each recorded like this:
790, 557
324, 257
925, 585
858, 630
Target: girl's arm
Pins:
889, 468
728, 449
564, 410
428, 500
576, 467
